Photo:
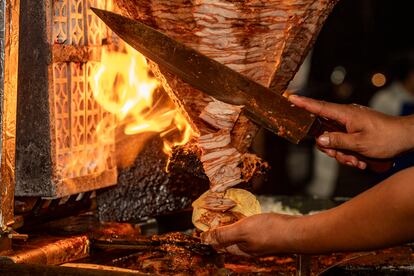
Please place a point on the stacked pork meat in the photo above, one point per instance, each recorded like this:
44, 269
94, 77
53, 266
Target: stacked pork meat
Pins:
264, 40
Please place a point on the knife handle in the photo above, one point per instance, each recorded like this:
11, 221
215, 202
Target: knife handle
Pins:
322, 125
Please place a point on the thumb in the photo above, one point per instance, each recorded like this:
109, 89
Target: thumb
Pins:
235, 250
222, 236
338, 140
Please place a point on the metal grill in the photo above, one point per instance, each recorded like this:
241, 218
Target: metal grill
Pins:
78, 149
79, 159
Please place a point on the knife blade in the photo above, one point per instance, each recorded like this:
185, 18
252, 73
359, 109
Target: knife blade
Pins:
262, 105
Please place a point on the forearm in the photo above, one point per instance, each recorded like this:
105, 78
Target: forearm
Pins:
381, 216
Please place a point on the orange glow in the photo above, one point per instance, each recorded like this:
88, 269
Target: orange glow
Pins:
124, 87
183, 128
378, 80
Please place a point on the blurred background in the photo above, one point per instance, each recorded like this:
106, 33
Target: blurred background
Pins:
364, 55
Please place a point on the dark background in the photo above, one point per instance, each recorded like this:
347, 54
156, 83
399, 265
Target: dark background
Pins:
362, 36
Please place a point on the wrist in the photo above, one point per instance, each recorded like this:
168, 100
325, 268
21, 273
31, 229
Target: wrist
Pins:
406, 124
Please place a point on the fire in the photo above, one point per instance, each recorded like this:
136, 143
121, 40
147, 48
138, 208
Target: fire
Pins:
124, 88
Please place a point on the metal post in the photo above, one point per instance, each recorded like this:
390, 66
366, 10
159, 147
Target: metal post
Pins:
9, 41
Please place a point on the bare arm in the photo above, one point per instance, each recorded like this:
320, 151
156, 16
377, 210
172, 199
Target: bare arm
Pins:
379, 217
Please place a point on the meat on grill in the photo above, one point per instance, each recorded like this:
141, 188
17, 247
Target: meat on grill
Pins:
171, 258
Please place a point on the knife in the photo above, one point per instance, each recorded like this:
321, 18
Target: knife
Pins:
266, 107
150, 243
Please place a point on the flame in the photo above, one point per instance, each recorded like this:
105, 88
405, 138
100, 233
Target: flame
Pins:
183, 128
124, 88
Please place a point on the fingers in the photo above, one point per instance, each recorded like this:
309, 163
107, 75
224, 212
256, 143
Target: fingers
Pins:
345, 141
339, 140
348, 160
332, 111
344, 159
362, 165
224, 239
235, 250
222, 236
332, 143
209, 238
